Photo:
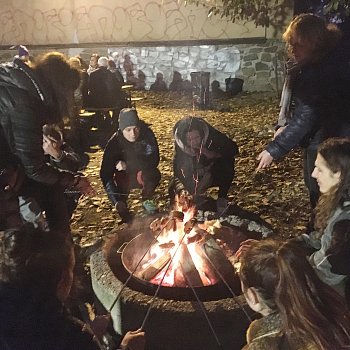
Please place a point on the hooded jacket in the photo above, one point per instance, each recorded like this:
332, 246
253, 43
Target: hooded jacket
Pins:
186, 164
26, 104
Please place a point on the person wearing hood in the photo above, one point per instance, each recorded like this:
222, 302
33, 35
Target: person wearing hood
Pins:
31, 96
204, 157
130, 160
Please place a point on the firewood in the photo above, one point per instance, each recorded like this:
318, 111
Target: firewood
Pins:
188, 267
153, 269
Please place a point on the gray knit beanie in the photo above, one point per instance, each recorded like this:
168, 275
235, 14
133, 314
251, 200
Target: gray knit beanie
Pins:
128, 117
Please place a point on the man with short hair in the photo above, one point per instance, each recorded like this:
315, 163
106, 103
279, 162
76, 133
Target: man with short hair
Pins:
130, 161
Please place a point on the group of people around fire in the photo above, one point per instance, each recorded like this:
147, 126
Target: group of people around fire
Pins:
300, 287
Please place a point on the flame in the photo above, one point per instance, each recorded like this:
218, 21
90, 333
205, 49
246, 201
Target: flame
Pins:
176, 236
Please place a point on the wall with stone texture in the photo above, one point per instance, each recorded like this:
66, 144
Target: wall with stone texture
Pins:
260, 65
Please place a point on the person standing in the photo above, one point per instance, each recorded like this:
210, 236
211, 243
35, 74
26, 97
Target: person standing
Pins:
31, 96
316, 100
130, 160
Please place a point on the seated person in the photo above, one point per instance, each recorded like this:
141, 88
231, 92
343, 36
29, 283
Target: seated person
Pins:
130, 160
140, 83
36, 275
159, 84
298, 310
204, 157
115, 70
216, 91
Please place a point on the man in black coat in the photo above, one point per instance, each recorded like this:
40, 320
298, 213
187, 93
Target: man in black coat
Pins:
130, 160
204, 158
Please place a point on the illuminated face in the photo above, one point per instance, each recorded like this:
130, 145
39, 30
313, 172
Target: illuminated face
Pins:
325, 177
194, 139
93, 61
301, 50
131, 133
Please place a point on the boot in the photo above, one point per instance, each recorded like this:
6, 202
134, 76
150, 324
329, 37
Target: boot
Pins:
124, 212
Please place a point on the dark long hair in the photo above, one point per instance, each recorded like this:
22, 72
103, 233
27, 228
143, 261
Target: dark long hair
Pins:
62, 79
309, 309
313, 30
336, 153
33, 259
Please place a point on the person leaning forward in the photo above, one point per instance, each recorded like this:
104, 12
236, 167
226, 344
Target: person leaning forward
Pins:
130, 160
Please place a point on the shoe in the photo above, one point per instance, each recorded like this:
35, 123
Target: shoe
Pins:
150, 206
123, 212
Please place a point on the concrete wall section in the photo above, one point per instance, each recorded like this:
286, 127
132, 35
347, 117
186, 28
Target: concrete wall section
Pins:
42, 22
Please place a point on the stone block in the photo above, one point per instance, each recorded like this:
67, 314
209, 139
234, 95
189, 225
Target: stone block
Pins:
259, 66
266, 57
250, 57
248, 72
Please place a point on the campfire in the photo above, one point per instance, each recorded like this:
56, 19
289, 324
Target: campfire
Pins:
179, 251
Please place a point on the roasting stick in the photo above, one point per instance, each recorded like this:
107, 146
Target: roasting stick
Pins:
200, 303
137, 265
161, 282
235, 298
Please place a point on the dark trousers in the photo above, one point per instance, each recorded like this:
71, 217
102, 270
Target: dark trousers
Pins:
52, 200
309, 158
147, 179
223, 172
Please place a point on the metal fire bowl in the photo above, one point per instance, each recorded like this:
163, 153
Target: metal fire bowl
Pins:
123, 265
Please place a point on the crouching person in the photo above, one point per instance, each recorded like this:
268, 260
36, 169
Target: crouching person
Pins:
204, 158
130, 161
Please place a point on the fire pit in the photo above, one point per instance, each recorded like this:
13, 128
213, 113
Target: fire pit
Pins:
195, 307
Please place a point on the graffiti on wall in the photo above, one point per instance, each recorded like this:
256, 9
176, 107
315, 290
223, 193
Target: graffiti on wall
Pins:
70, 21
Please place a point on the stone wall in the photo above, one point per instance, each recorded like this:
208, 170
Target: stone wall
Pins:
259, 65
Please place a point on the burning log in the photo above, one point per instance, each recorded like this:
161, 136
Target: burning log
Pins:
212, 252
196, 235
153, 269
188, 268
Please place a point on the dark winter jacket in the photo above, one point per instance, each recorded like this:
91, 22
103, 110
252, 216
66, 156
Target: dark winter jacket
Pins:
139, 155
186, 164
320, 103
104, 89
40, 322
26, 104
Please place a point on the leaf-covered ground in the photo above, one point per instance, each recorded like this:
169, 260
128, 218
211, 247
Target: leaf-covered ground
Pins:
277, 195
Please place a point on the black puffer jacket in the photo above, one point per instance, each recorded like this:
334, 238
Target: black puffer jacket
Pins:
139, 155
26, 104
321, 105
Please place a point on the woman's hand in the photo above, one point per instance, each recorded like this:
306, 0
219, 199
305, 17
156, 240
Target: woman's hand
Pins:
133, 340
265, 159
